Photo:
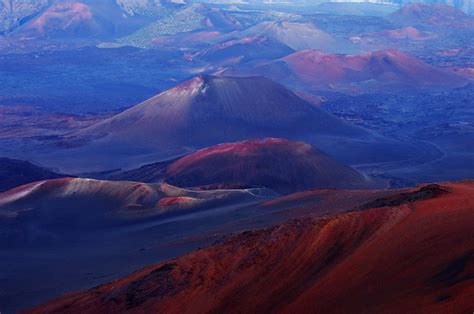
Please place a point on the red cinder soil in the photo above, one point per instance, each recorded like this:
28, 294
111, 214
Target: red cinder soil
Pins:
278, 164
384, 66
417, 256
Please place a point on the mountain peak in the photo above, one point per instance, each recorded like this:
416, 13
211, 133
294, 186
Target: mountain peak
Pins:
295, 35
61, 16
188, 88
431, 14
230, 108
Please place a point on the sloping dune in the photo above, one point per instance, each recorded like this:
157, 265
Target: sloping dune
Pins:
414, 253
100, 201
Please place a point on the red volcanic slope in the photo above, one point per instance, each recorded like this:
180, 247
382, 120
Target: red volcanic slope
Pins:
331, 71
79, 20
435, 14
63, 17
416, 256
277, 164
210, 109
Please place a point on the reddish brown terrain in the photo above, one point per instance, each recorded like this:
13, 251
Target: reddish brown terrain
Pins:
390, 68
277, 164
215, 156
281, 165
408, 252
63, 18
70, 19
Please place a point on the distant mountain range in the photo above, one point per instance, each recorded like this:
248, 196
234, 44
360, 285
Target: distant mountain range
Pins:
14, 13
466, 6
146, 24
